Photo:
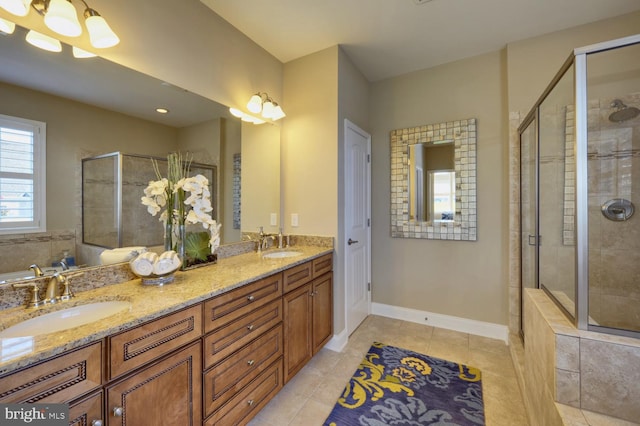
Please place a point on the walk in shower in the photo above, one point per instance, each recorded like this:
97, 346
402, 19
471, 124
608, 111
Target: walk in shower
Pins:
112, 185
580, 187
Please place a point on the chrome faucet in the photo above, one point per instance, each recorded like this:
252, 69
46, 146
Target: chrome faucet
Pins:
263, 240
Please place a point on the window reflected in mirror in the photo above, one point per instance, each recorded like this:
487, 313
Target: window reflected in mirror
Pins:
433, 181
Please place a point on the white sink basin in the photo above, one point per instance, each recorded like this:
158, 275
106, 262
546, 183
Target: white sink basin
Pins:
281, 254
65, 318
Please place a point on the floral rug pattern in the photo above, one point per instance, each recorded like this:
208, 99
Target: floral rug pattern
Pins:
398, 387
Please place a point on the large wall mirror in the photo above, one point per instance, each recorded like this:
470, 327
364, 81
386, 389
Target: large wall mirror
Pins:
433, 181
93, 107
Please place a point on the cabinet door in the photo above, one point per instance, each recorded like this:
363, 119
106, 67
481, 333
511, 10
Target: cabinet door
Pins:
322, 300
86, 411
297, 330
168, 392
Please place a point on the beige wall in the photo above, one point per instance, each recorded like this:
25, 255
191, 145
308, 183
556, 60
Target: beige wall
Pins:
260, 177
75, 131
463, 279
309, 143
532, 63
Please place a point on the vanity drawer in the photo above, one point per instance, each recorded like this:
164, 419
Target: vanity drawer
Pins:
149, 341
322, 265
223, 309
87, 410
57, 380
240, 409
226, 340
297, 276
236, 371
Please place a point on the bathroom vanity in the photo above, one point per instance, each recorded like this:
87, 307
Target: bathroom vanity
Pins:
211, 348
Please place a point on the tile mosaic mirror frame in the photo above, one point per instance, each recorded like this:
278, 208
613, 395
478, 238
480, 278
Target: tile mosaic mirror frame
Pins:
463, 227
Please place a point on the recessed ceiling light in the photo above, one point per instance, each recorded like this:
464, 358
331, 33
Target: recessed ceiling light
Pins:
162, 110
421, 1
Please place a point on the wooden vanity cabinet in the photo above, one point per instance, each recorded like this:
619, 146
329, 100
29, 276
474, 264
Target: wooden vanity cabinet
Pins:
87, 411
57, 380
243, 351
308, 315
167, 392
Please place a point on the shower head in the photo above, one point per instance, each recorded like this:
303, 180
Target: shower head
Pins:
622, 112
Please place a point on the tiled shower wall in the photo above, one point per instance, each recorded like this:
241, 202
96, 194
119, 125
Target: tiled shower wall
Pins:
614, 247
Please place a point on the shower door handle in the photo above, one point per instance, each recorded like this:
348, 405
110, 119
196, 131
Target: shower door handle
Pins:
532, 240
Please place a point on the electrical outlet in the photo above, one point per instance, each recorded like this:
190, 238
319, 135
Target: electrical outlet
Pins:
274, 219
294, 219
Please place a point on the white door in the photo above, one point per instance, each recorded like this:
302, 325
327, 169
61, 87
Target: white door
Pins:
357, 246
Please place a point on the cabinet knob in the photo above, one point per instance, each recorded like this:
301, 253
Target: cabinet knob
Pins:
250, 362
250, 327
251, 298
250, 402
118, 411
96, 422
312, 294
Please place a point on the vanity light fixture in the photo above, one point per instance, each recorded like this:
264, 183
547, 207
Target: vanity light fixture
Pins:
81, 54
7, 27
262, 103
61, 17
43, 41
245, 117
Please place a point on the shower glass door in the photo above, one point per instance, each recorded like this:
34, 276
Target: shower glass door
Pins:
528, 232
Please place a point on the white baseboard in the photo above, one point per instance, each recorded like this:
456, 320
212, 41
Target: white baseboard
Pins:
338, 342
478, 328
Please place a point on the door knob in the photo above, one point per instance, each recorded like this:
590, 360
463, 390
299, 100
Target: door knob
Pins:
352, 241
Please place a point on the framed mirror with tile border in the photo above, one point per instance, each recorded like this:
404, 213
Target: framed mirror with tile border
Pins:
463, 227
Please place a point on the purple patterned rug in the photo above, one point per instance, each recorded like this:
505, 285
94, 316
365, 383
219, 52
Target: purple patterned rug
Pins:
394, 386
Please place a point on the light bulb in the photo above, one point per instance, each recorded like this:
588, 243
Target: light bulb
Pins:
267, 109
255, 104
16, 7
81, 53
7, 27
62, 18
278, 113
236, 112
100, 33
43, 41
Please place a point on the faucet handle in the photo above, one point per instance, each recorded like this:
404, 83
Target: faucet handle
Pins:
35, 294
63, 279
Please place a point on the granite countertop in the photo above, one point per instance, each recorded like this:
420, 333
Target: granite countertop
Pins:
147, 303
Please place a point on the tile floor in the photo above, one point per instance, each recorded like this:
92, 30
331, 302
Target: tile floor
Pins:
309, 397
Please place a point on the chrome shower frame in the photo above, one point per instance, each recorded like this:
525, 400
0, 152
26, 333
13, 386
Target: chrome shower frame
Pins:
578, 60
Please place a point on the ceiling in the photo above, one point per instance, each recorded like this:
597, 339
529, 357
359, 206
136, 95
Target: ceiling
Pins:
386, 38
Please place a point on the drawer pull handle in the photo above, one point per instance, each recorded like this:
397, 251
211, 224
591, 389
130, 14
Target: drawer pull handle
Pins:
250, 327
251, 298
96, 422
250, 402
118, 411
250, 362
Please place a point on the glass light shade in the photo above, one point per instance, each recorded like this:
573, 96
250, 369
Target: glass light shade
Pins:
62, 18
7, 27
81, 53
255, 104
267, 109
43, 41
16, 7
100, 33
278, 113
236, 112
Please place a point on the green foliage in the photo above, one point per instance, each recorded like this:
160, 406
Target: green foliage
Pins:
196, 245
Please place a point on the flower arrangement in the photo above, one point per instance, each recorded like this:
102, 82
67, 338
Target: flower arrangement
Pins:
183, 200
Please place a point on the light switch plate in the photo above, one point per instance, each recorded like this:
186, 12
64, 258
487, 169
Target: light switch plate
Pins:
294, 219
274, 219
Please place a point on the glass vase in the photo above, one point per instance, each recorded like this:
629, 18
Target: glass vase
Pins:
168, 236
180, 241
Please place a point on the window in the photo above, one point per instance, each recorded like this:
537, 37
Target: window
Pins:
22, 175
443, 187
